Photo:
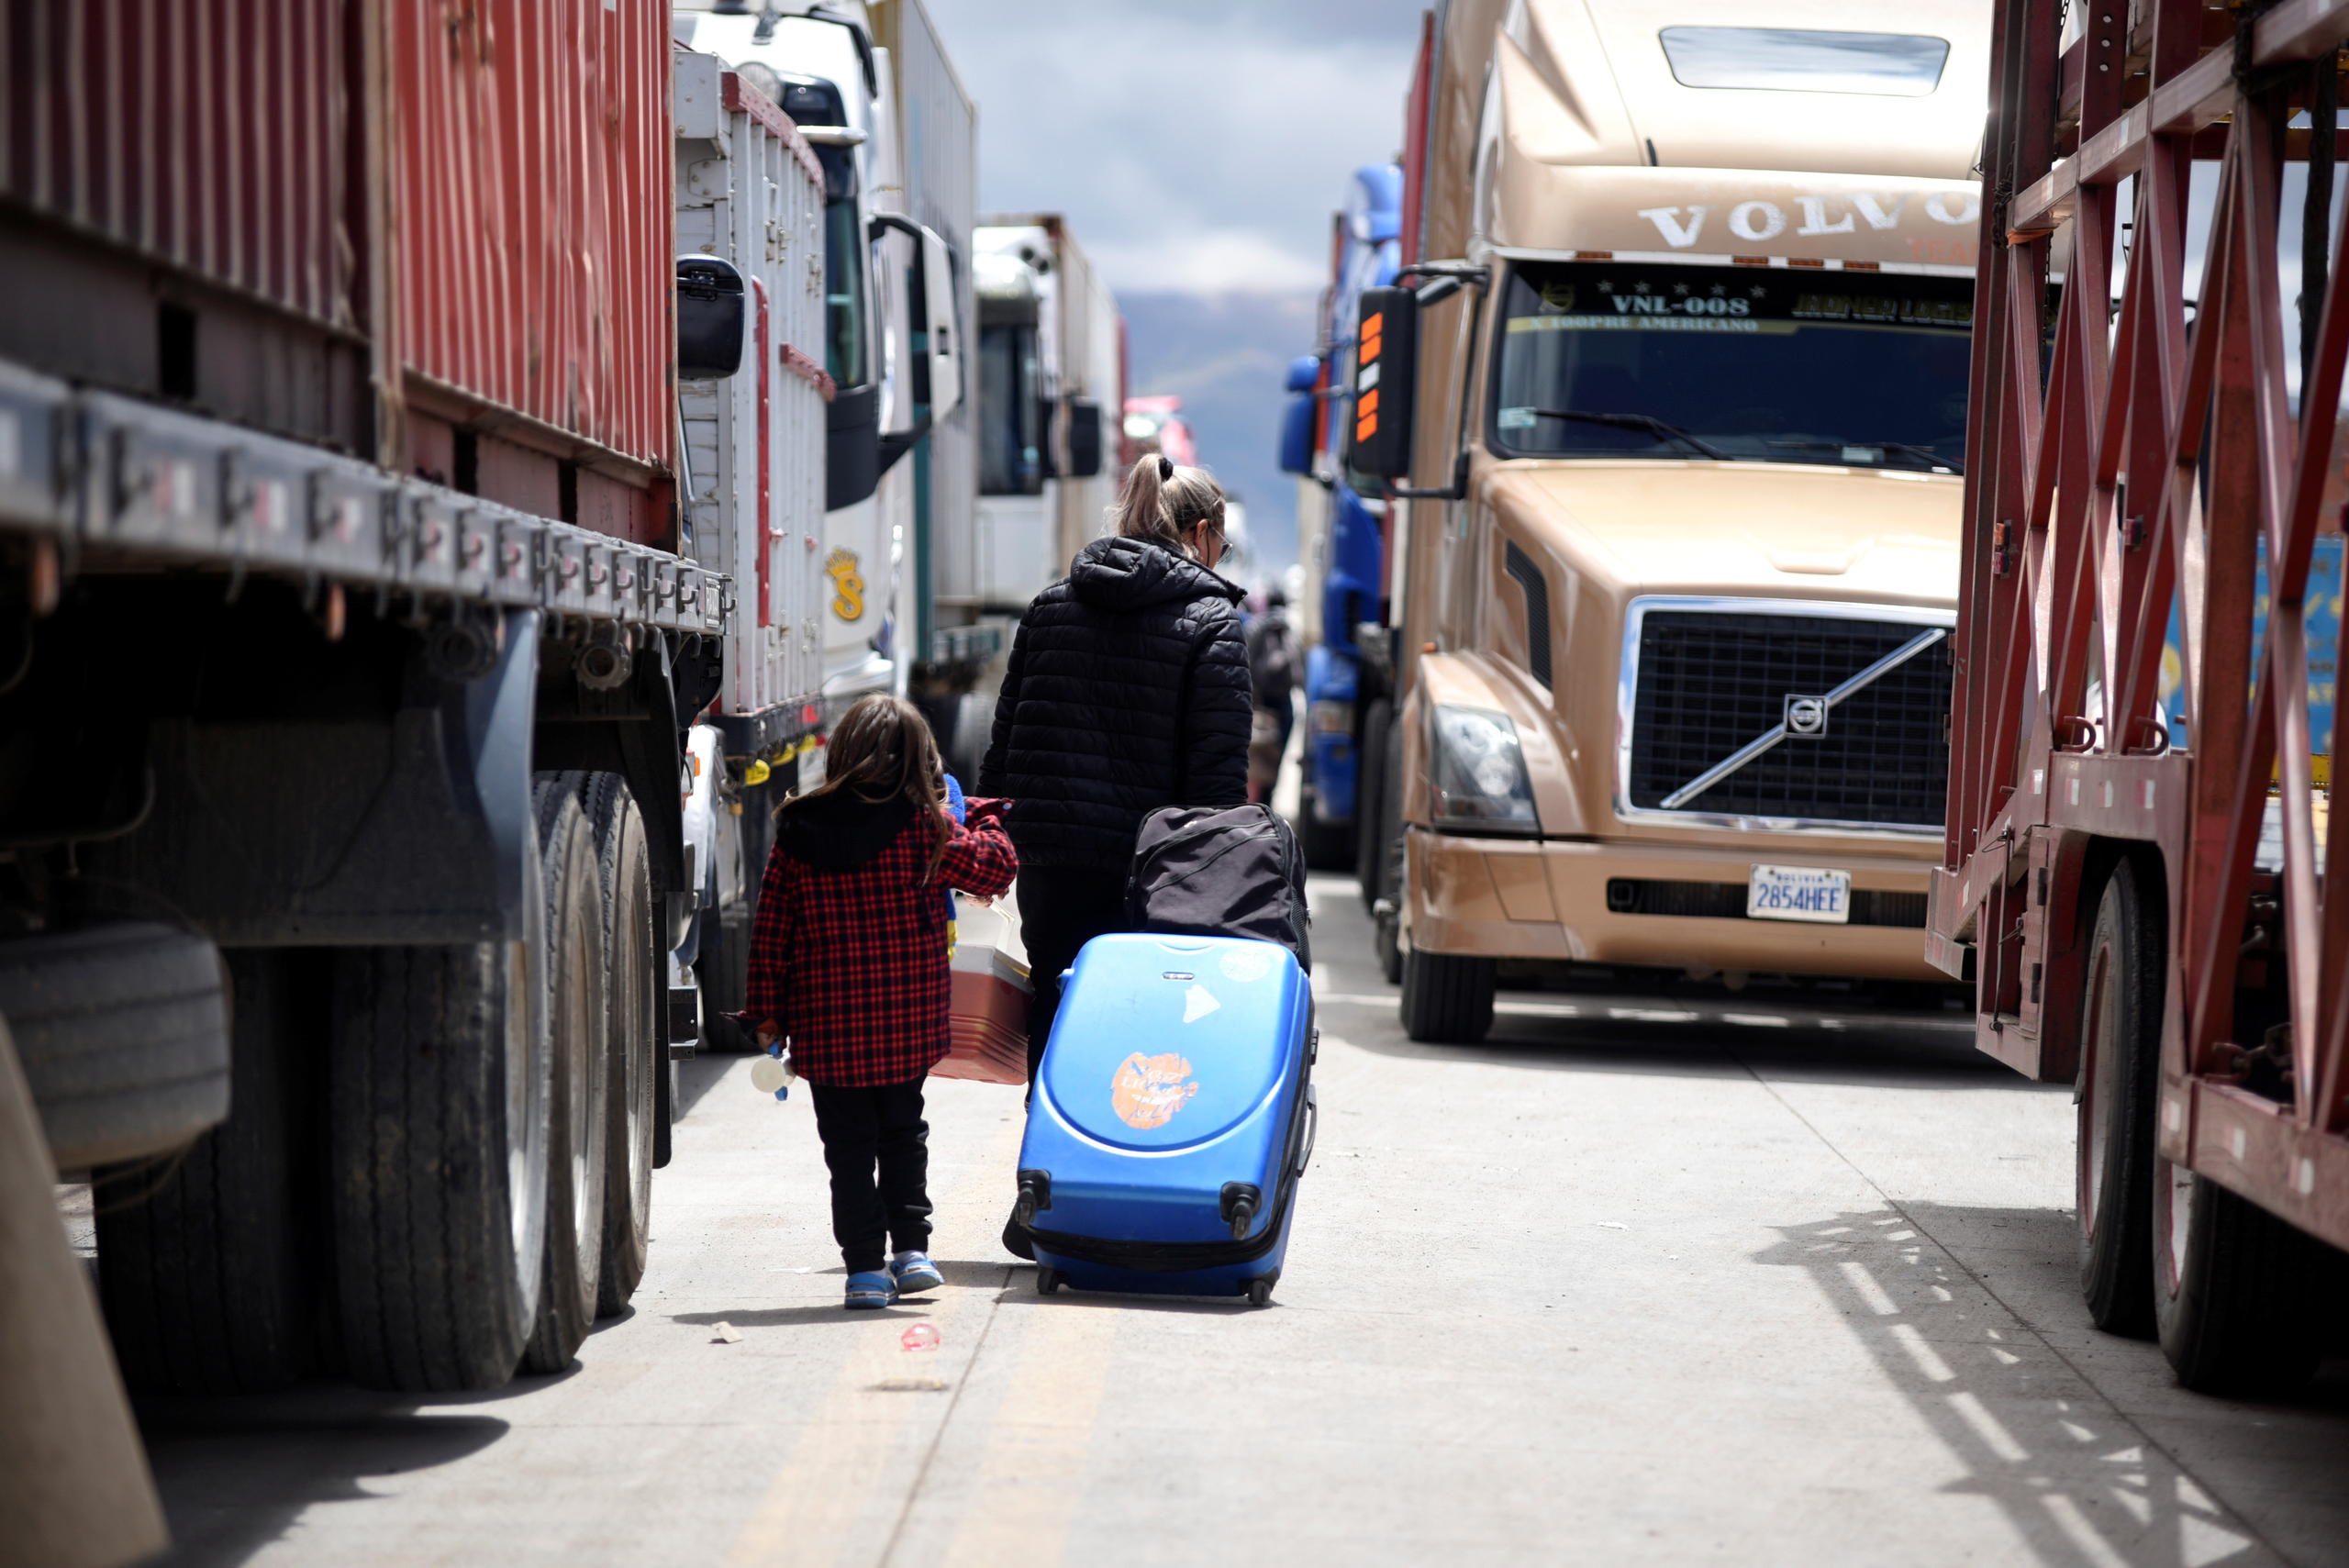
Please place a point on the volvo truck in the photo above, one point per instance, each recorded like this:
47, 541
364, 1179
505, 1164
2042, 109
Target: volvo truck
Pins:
1671, 392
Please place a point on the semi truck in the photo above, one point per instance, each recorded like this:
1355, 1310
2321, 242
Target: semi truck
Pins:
1051, 389
873, 102
1671, 392
356, 627
2137, 879
1342, 538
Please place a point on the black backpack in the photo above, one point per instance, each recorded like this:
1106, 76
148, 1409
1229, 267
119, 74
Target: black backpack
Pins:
1220, 871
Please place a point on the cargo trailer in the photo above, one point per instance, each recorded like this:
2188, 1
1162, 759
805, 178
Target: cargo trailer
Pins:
357, 621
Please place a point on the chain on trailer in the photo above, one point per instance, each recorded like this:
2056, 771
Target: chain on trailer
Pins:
2151, 601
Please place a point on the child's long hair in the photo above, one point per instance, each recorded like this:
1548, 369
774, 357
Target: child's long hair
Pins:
882, 749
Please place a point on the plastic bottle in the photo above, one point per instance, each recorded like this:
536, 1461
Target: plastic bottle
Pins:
772, 1074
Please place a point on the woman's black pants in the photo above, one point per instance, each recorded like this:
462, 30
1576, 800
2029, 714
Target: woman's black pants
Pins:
863, 1130
1060, 910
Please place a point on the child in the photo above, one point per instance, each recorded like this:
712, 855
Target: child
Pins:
849, 960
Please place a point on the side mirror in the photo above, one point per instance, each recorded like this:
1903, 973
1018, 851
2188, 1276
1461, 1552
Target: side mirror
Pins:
1297, 432
1047, 429
942, 324
1386, 365
709, 319
1084, 437
1304, 373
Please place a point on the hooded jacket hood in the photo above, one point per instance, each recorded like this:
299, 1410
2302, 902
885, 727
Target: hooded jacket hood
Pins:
840, 831
1119, 576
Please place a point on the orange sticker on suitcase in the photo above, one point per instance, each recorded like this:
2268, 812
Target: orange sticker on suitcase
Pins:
1149, 1090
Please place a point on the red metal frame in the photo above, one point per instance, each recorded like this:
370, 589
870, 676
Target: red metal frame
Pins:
2151, 455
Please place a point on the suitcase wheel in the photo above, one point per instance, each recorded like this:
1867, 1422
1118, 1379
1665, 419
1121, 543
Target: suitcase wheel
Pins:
1260, 1293
1048, 1281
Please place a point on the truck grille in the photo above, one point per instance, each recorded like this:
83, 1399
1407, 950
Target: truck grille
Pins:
1711, 682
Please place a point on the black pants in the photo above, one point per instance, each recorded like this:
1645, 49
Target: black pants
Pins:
1060, 910
862, 1128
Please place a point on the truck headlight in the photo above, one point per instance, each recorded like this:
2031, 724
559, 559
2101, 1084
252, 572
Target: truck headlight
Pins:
1479, 773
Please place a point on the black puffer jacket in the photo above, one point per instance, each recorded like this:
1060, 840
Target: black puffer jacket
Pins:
1128, 690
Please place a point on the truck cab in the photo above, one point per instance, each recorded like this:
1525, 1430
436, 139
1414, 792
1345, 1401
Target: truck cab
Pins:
1342, 533
1677, 409
885, 280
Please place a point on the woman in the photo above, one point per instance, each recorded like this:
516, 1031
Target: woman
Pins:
1126, 690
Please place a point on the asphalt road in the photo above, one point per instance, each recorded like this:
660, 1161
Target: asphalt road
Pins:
1665, 1279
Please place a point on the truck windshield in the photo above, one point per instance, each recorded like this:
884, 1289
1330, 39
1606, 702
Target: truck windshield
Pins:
844, 253
1758, 364
1011, 455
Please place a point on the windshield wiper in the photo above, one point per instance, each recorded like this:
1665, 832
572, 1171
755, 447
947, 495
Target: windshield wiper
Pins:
1922, 454
1662, 429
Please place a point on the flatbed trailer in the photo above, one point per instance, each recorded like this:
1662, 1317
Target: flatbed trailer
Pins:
2137, 877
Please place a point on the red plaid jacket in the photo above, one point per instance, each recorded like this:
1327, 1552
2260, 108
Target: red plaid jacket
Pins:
852, 964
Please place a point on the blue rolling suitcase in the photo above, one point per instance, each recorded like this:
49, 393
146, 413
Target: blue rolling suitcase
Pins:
1172, 1117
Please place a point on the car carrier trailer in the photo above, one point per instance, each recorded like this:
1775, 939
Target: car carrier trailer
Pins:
2137, 877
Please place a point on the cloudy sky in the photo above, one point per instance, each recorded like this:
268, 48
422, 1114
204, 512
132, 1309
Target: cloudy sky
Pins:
1196, 145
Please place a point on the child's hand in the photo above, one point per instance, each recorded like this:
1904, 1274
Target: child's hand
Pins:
769, 1032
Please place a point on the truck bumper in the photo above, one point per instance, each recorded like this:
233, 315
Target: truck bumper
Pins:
1505, 898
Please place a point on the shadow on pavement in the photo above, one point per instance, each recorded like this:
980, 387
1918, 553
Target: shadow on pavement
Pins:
1677, 1035
2079, 1481
237, 1475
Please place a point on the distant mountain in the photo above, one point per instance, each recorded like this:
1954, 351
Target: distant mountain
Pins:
1226, 356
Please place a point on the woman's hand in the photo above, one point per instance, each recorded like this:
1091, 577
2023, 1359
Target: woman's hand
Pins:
770, 1032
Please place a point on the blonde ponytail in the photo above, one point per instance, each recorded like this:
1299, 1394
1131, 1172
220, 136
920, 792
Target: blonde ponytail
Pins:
1162, 501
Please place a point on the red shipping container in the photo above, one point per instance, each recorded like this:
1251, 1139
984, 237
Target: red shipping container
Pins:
258, 206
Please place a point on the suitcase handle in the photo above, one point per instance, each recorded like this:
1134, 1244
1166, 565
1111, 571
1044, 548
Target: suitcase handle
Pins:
1312, 1127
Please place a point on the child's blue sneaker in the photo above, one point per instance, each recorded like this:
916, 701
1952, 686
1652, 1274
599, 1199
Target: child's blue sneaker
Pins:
913, 1272
866, 1291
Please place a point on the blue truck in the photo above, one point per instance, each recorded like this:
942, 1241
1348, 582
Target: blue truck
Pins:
1348, 695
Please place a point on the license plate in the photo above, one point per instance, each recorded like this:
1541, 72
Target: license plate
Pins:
1799, 893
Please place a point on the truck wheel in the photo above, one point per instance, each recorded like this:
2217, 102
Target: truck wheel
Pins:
123, 1031
1447, 999
201, 1258
1370, 799
1328, 846
577, 1019
2121, 1038
638, 1046
2235, 1289
436, 1152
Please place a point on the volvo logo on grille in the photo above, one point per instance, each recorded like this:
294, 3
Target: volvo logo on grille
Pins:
1807, 716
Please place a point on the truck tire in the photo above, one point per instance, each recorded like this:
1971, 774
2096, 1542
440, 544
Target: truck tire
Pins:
2120, 1077
201, 1259
1447, 1000
638, 1046
578, 1019
436, 1125
2236, 1290
123, 1030
1370, 799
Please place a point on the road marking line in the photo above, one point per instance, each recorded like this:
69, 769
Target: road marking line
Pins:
1928, 1360
1869, 1291
827, 1495
859, 1437
1039, 1440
